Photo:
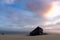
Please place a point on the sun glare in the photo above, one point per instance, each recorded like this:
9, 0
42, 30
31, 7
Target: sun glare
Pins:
55, 11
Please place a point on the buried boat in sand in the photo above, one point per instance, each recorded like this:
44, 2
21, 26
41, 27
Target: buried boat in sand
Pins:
36, 31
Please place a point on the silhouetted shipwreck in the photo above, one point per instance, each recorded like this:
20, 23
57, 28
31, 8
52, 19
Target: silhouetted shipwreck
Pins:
37, 31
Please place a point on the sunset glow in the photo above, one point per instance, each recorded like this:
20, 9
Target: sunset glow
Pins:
54, 11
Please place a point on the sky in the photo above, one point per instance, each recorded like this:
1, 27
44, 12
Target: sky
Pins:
25, 15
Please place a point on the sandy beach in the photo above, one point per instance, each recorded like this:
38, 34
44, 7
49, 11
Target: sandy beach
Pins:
25, 37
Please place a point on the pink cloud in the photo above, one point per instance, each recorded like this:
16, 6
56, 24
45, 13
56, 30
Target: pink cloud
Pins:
41, 7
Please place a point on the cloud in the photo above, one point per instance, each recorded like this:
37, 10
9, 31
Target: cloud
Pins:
7, 1
53, 24
18, 19
39, 6
23, 14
